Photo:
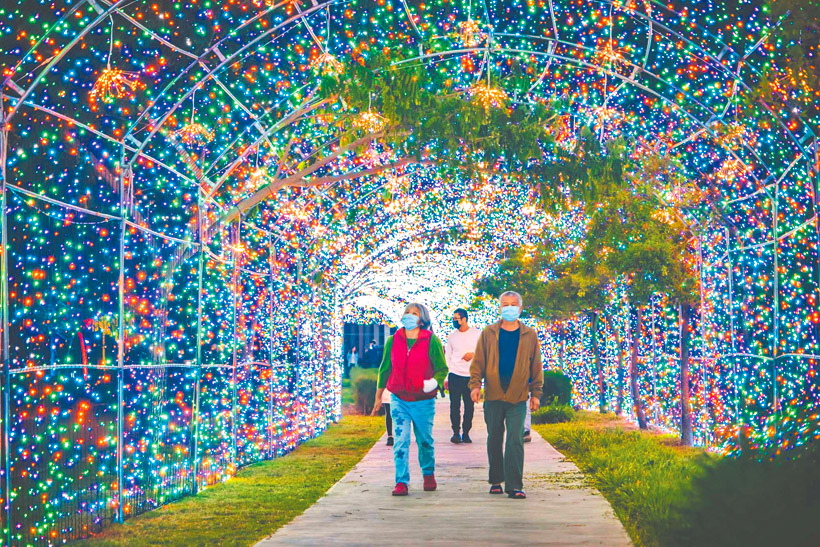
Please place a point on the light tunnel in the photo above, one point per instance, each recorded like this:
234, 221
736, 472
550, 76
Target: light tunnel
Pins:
192, 206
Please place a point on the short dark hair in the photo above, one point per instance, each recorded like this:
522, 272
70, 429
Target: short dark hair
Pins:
462, 312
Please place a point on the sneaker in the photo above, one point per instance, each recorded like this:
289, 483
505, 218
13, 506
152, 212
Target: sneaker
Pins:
527, 437
455, 439
389, 441
430, 483
466, 438
400, 489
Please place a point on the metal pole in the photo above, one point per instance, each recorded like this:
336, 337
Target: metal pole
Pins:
736, 380
4, 266
654, 368
703, 349
198, 383
775, 351
271, 260
234, 249
126, 171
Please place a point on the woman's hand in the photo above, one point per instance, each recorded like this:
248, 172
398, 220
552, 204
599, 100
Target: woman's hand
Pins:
377, 404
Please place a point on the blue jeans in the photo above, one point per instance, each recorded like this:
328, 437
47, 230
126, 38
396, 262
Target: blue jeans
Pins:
420, 414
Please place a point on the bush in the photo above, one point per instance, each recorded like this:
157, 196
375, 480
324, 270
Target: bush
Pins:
553, 414
364, 393
556, 386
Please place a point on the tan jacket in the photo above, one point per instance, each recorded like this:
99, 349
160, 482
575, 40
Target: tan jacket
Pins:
528, 375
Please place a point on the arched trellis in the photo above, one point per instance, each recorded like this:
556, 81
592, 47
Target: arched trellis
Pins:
147, 137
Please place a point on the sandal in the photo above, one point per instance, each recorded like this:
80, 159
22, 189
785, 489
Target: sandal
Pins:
517, 495
496, 489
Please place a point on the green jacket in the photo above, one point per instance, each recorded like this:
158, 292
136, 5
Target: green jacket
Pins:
528, 375
436, 353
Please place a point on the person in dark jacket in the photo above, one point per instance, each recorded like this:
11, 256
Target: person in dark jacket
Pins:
412, 369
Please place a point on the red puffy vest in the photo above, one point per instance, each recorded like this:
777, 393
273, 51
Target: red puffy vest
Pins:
409, 368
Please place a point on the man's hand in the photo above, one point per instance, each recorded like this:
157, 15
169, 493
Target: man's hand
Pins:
535, 403
468, 356
376, 407
475, 395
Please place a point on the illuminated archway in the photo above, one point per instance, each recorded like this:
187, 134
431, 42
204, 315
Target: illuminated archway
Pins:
185, 228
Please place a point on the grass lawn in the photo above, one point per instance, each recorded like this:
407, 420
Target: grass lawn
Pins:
669, 495
260, 499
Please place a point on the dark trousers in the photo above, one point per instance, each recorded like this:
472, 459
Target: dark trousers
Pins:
388, 419
506, 462
460, 390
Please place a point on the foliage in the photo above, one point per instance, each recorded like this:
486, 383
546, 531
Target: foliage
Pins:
455, 130
626, 238
750, 502
364, 391
259, 500
668, 495
794, 46
552, 291
553, 413
557, 388
348, 390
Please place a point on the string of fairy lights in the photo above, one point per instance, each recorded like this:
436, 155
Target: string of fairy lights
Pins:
172, 312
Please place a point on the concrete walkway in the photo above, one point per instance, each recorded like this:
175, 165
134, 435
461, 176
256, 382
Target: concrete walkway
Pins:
560, 509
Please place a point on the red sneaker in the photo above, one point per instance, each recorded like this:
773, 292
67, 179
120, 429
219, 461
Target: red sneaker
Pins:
400, 489
429, 483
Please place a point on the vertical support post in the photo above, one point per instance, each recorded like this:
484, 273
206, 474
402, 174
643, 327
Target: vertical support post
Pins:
776, 307
735, 379
271, 261
236, 237
195, 415
4, 266
704, 361
654, 367
125, 171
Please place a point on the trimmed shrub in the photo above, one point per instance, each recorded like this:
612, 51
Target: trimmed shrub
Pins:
364, 393
556, 386
553, 414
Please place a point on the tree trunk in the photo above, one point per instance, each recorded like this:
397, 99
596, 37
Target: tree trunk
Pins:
633, 372
593, 320
619, 404
685, 407
562, 347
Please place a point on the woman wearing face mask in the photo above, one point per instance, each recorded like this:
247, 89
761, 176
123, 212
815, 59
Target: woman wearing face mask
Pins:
412, 368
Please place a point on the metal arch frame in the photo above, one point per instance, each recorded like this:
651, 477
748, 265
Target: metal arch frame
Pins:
363, 267
116, 7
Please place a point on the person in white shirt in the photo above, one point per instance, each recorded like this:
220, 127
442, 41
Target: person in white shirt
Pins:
459, 354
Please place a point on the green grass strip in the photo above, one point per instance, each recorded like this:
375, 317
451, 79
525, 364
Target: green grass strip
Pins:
642, 475
668, 495
260, 499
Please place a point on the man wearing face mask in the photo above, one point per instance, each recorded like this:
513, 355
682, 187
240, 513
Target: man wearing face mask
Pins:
508, 359
459, 353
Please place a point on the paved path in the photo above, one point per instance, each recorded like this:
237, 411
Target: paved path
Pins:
560, 508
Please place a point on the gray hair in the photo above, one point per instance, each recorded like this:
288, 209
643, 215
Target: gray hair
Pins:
511, 293
424, 315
